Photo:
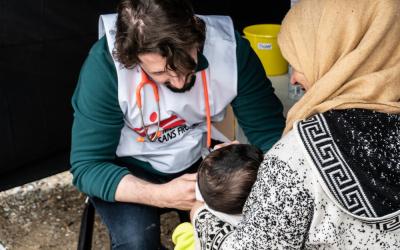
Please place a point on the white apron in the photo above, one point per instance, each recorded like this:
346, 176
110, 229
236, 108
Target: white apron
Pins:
182, 115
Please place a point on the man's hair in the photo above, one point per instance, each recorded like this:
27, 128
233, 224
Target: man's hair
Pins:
226, 176
165, 27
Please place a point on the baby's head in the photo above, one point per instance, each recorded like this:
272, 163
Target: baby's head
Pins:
226, 175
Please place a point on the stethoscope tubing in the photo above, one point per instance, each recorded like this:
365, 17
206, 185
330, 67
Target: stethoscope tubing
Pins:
145, 80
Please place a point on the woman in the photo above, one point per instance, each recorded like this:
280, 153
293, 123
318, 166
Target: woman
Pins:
333, 180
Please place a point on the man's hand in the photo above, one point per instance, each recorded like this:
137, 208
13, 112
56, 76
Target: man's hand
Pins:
225, 144
178, 193
196, 206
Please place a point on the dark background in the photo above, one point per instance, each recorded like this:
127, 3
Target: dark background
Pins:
42, 47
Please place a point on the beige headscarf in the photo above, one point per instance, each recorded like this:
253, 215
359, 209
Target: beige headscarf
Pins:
349, 51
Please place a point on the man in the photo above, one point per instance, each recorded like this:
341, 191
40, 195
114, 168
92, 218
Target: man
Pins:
143, 105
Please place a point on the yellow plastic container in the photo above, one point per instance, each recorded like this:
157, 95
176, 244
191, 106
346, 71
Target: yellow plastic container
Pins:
263, 40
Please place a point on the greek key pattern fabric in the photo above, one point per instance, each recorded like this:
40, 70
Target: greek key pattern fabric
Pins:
335, 172
216, 231
289, 209
390, 224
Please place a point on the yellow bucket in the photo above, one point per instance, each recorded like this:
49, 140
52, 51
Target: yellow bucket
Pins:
263, 40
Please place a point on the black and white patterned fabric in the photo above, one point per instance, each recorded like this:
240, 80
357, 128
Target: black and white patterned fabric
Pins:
359, 163
310, 195
286, 210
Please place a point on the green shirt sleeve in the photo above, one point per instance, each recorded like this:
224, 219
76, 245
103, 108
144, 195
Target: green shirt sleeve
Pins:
97, 125
258, 110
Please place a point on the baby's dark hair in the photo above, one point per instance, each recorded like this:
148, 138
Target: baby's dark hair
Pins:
226, 176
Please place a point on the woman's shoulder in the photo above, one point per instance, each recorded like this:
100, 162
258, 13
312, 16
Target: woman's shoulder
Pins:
287, 163
288, 149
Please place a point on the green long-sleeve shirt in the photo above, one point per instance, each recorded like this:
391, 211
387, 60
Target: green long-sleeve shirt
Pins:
98, 118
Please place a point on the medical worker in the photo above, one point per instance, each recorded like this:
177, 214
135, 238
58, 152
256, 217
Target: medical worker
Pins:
146, 97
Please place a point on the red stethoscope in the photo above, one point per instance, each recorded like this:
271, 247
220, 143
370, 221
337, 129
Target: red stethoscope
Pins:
145, 80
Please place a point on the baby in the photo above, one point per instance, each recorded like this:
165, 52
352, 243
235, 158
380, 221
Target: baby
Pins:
224, 180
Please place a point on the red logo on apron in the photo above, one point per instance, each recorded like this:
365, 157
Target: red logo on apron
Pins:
166, 124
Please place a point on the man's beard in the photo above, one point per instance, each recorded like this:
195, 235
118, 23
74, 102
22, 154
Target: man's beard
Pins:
186, 87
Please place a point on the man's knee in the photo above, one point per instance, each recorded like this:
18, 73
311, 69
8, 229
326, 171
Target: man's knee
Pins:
131, 226
149, 238
136, 236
